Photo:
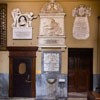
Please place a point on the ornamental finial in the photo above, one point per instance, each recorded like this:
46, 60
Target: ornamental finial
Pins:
52, 1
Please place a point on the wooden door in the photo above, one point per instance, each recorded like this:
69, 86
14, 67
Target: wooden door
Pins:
80, 70
22, 63
22, 77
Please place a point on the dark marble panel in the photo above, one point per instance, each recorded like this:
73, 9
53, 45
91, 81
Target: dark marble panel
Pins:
51, 86
4, 85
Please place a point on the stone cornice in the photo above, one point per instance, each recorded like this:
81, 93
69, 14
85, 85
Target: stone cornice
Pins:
44, 0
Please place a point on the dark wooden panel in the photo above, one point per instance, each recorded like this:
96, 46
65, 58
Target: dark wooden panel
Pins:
3, 26
80, 62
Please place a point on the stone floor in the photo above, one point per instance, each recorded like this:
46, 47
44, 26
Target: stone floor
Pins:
77, 96
77, 99
71, 96
44, 99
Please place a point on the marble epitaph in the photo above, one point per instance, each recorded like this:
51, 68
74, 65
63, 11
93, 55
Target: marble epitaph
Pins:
51, 32
81, 25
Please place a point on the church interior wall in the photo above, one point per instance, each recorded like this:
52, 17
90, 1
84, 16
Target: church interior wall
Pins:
35, 7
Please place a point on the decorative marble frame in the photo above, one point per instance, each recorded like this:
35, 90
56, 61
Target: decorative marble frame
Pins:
51, 61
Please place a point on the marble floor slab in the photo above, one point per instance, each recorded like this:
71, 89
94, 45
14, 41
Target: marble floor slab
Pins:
69, 98
77, 99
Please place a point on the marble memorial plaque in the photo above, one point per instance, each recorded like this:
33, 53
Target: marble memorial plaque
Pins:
81, 28
81, 25
51, 61
22, 33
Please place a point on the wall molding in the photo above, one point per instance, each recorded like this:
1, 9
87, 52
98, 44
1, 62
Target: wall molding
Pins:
2, 1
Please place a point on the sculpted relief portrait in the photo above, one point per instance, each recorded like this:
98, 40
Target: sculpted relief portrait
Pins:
51, 27
22, 21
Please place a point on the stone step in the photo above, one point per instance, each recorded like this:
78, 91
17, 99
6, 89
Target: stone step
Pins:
77, 99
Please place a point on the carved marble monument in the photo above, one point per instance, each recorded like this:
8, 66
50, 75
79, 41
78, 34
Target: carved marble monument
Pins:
52, 26
22, 24
81, 25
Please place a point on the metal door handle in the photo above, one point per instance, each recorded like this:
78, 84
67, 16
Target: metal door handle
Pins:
27, 80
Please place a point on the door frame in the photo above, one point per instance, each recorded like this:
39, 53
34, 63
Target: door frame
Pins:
22, 52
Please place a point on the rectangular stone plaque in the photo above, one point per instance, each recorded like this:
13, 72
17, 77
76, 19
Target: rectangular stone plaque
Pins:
51, 61
22, 33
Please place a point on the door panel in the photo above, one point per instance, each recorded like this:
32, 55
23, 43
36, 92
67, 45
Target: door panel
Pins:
22, 68
80, 70
83, 81
72, 75
72, 82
